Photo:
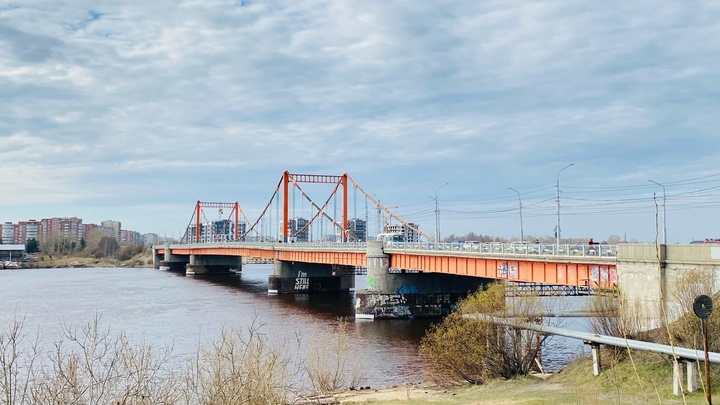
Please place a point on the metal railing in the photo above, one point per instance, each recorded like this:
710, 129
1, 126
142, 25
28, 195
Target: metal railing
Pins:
480, 248
512, 248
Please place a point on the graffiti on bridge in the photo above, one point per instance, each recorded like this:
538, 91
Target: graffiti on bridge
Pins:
302, 282
505, 271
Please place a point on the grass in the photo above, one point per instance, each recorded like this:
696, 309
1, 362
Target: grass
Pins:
575, 384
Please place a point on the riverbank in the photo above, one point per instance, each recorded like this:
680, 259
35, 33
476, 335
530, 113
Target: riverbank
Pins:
649, 380
141, 260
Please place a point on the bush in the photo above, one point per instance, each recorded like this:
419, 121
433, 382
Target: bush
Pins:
463, 349
127, 252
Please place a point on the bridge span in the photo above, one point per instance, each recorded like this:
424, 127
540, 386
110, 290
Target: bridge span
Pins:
404, 279
414, 280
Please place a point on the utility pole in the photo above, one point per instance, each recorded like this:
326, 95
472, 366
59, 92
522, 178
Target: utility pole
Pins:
522, 237
664, 216
437, 214
557, 230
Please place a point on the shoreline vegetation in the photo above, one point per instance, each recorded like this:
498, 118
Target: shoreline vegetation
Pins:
142, 260
639, 378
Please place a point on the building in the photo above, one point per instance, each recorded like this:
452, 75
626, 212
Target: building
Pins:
298, 230
11, 253
26, 230
216, 231
69, 229
151, 239
8, 233
410, 234
132, 237
114, 228
357, 230
65, 233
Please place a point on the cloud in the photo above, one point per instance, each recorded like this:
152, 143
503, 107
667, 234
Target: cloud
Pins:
125, 101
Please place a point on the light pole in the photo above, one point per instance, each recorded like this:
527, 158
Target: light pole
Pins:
664, 216
437, 214
557, 230
522, 238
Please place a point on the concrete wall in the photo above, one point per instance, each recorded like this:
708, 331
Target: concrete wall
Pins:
649, 277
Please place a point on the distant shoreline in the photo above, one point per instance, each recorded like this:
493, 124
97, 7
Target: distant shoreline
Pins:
45, 262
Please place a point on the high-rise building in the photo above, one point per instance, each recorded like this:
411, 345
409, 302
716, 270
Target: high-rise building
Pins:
216, 231
132, 237
297, 230
410, 234
8, 233
30, 229
357, 230
114, 228
70, 229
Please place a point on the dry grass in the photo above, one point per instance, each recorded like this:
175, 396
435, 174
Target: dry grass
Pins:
574, 385
142, 260
91, 366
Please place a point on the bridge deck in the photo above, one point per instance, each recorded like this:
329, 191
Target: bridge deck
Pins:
561, 269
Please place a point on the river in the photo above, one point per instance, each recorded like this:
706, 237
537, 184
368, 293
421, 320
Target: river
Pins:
168, 309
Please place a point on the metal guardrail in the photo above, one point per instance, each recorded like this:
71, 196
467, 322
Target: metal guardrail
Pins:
481, 248
676, 351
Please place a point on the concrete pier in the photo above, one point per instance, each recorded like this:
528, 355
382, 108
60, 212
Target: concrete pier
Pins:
404, 294
304, 278
173, 262
207, 264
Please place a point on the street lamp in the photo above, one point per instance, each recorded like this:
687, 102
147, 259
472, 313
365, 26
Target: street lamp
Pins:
520, 201
664, 216
557, 230
437, 214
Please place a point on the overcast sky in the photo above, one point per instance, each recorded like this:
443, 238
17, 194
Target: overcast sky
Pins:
133, 110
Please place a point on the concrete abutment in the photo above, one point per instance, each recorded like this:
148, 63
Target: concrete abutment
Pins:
650, 275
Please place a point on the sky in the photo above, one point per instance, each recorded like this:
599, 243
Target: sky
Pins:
135, 110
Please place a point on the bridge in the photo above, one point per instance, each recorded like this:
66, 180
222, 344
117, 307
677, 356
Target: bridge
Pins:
418, 277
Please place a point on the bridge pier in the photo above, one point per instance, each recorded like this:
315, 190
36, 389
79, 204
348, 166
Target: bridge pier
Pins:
170, 261
300, 278
404, 294
208, 264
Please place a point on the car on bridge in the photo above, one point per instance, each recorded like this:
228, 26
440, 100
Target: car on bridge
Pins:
472, 245
519, 247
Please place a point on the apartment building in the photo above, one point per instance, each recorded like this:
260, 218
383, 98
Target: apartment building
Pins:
409, 233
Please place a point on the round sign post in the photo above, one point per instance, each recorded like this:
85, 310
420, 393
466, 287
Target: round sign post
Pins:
703, 306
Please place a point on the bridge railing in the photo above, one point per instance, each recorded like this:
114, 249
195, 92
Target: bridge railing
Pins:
512, 248
487, 248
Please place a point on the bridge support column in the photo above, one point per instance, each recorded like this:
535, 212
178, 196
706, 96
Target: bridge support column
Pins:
157, 258
213, 265
302, 278
172, 262
395, 293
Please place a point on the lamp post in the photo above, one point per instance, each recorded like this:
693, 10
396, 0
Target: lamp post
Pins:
437, 214
557, 230
522, 238
664, 216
